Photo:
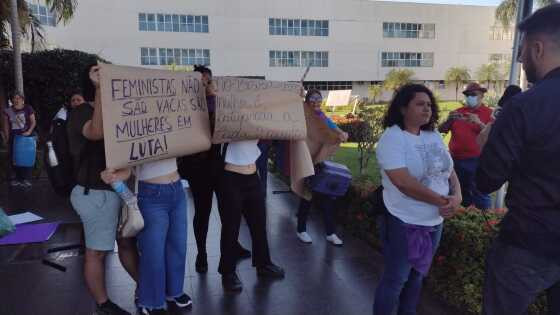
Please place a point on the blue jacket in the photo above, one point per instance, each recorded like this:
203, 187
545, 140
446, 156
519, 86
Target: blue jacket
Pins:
524, 149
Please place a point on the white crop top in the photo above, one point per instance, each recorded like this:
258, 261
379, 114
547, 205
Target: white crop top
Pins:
242, 152
155, 169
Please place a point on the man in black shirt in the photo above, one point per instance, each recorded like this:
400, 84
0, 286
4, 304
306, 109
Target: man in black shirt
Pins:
524, 149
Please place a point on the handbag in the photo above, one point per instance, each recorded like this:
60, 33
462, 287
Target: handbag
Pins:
6, 225
332, 179
131, 221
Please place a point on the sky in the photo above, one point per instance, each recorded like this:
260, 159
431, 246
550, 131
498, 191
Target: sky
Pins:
473, 2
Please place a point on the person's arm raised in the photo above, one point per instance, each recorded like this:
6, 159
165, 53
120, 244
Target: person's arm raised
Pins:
93, 129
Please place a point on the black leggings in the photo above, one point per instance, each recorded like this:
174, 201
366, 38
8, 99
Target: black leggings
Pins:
324, 203
241, 194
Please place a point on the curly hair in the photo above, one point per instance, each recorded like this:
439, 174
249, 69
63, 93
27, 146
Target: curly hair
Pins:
402, 98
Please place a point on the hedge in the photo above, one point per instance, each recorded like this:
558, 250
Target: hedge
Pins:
457, 274
50, 77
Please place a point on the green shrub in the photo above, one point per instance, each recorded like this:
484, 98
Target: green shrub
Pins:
457, 274
49, 76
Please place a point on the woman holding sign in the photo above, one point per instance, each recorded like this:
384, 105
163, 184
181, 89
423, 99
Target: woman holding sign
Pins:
314, 99
201, 171
240, 192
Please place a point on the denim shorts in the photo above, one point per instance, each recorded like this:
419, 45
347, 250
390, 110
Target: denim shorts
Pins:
99, 212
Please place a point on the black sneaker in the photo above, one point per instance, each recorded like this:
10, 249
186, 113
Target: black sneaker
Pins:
201, 264
182, 301
109, 308
270, 271
231, 283
242, 252
161, 311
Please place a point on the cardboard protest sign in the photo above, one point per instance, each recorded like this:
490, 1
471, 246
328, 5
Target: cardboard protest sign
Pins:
339, 98
150, 115
320, 144
257, 109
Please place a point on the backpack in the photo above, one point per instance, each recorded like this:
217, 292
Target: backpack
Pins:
61, 176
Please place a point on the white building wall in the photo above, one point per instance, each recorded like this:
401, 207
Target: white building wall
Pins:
239, 40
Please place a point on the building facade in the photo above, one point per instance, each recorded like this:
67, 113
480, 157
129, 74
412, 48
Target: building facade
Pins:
349, 44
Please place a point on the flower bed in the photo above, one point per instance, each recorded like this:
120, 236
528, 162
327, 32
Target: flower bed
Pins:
457, 274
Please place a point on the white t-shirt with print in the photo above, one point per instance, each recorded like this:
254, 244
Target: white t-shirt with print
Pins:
427, 159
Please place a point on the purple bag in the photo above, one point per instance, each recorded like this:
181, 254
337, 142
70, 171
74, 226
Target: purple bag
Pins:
332, 179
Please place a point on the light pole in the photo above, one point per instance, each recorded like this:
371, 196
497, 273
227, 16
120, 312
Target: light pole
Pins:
524, 8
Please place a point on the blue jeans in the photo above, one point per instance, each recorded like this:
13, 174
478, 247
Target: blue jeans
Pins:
162, 243
466, 171
400, 283
515, 277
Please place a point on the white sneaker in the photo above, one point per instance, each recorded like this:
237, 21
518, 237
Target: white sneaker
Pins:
334, 240
304, 237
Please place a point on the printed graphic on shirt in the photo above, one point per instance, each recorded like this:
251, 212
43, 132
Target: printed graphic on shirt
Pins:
18, 122
437, 164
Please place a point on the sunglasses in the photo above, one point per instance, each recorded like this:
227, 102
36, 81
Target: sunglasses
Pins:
315, 98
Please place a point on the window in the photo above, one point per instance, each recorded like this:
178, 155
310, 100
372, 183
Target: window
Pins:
408, 30
176, 56
499, 58
297, 27
173, 23
148, 56
43, 14
298, 58
328, 85
407, 59
499, 33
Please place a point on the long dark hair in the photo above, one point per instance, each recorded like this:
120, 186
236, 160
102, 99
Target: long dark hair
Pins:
402, 99
202, 69
88, 88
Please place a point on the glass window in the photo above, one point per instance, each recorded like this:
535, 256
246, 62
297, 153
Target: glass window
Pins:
190, 23
204, 24
142, 22
151, 22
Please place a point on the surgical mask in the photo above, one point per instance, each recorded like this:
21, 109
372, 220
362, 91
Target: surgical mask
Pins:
472, 101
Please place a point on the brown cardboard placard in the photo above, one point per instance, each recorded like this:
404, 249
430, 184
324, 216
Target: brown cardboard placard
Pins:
249, 109
150, 115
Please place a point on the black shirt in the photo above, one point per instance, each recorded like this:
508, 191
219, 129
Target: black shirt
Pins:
88, 156
524, 149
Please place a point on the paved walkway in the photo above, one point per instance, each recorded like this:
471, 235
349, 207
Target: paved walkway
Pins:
320, 278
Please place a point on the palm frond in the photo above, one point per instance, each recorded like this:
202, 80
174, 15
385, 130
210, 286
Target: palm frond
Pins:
63, 9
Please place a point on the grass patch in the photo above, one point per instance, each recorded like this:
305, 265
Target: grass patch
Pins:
348, 155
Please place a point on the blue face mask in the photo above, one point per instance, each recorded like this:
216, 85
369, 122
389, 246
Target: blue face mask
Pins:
472, 101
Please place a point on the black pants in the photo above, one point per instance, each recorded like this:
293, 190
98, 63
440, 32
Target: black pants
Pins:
241, 194
202, 182
324, 203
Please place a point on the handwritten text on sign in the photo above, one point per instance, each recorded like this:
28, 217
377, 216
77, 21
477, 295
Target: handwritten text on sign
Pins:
151, 115
258, 109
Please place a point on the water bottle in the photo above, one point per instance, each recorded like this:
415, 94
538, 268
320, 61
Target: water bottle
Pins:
122, 189
53, 160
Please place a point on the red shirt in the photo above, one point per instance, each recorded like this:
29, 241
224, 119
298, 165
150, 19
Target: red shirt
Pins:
463, 133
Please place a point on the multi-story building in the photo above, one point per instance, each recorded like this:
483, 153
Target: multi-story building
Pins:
349, 43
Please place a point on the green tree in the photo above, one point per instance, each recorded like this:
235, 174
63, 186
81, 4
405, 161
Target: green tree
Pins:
506, 11
489, 73
17, 12
375, 90
457, 76
367, 132
397, 78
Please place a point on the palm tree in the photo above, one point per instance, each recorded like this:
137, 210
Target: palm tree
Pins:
458, 76
489, 73
506, 11
374, 90
20, 15
397, 78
